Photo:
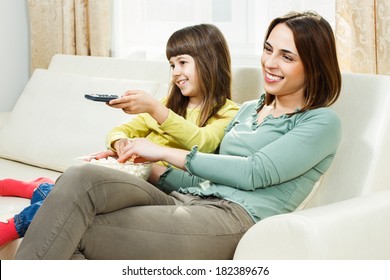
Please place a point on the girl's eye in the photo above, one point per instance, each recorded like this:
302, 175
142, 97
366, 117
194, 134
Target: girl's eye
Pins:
172, 66
183, 62
287, 58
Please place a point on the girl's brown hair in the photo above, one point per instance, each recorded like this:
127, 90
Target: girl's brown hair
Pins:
315, 42
207, 45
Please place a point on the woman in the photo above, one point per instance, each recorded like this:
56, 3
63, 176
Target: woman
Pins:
272, 154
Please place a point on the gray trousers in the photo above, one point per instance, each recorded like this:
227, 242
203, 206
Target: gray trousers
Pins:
95, 212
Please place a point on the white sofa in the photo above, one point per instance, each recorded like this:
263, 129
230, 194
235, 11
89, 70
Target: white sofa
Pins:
346, 217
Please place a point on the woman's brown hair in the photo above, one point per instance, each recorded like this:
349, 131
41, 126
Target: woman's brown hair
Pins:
315, 42
207, 45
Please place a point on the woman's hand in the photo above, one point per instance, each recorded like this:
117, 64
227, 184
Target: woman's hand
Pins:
138, 147
121, 144
142, 147
138, 101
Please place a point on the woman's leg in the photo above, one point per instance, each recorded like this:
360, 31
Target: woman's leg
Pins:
80, 194
197, 228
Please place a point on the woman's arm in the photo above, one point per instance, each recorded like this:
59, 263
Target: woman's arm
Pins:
153, 152
312, 140
294, 153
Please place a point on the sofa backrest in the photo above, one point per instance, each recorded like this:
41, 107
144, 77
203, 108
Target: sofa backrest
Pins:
109, 67
246, 81
361, 163
52, 123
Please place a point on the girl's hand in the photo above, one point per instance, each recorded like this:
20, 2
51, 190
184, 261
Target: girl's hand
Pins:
138, 101
135, 102
104, 154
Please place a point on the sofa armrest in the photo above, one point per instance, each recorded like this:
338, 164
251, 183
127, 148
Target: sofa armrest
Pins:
357, 228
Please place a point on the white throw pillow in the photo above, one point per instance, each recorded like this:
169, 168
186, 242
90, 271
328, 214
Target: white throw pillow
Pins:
52, 123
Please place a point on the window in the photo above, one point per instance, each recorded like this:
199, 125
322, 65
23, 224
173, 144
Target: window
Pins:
141, 28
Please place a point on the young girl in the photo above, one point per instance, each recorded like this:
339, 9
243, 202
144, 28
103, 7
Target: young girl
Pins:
274, 151
197, 109
196, 112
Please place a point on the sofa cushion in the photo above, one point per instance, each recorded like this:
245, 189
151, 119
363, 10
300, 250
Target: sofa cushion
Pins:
361, 162
52, 123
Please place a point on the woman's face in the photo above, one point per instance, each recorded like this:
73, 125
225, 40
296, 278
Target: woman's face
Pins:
283, 70
184, 75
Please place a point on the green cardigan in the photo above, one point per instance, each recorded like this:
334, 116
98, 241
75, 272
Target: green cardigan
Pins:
268, 168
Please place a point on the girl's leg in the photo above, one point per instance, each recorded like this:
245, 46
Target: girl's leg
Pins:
80, 194
41, 192
198, 228
8, 231
16, 227
12, 187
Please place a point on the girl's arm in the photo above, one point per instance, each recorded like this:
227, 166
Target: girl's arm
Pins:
139, 101
207, 138
183, 131
136, 128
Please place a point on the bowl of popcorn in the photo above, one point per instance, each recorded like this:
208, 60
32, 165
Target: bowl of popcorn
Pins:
139, 169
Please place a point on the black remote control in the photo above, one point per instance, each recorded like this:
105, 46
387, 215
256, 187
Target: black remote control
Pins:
101, 97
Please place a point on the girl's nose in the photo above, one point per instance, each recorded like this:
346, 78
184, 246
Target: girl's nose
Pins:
175, 71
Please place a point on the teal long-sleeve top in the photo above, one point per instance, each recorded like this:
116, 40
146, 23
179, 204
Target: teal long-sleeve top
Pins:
268, 168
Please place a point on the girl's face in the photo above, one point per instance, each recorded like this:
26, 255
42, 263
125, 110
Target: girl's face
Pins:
184, 75
282, 67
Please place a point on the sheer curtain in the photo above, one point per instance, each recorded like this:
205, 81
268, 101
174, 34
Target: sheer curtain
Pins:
363, 35
142, 27
81, 27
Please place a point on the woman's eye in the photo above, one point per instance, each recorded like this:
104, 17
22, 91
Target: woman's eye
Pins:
172, 66
287, 58
267, 49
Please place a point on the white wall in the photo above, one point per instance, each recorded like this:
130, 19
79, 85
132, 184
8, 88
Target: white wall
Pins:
14, 51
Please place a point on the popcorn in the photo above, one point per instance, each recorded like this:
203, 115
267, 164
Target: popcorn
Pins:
141, 170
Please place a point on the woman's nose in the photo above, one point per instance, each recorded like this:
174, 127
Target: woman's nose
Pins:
270, 61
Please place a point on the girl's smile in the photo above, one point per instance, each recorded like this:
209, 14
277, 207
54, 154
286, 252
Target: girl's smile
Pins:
185, 77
